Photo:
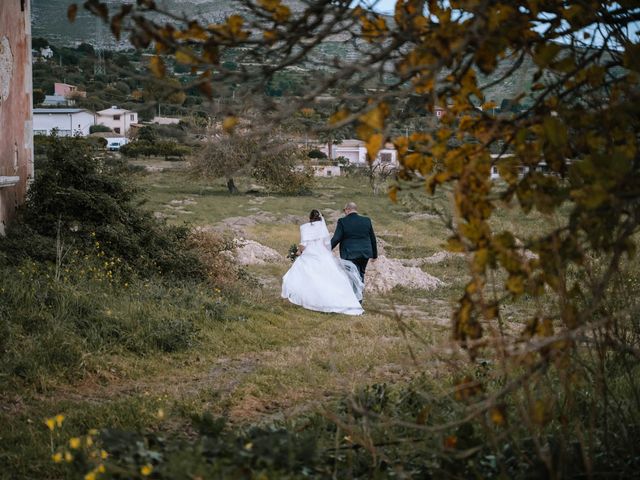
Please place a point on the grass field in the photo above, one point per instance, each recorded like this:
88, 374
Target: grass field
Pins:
264, 359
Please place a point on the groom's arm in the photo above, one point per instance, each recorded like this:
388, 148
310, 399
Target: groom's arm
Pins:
337, 236
374, 243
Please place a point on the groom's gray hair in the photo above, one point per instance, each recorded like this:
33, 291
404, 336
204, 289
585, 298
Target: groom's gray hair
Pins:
351, 206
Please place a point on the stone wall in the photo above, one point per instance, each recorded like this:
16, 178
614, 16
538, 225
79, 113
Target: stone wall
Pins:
16, 132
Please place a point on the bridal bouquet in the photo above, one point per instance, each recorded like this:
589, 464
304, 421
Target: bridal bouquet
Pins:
293, 252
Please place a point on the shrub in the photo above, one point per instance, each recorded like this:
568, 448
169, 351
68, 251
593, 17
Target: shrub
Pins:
215, 252
317, 154
166, 149
86, 202
99, 128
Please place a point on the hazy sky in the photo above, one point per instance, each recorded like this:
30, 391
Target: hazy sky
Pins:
385, 6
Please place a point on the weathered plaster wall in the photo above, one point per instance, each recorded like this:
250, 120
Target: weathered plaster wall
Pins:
16, 133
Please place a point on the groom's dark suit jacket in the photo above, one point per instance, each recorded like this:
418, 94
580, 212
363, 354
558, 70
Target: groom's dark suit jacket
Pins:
355, 235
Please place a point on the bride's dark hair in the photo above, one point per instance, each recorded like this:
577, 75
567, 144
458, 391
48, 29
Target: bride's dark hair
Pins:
314, 216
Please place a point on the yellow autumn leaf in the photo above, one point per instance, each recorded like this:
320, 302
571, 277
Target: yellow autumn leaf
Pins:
538, 413
374, 144
393, 194
497, 416
375, 117
339, 116
234, 25
185, 58
156, 65
229, 124
270, 36
281, 13
515, 284
72, 11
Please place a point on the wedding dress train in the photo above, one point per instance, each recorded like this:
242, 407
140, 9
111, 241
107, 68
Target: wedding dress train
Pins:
319, 281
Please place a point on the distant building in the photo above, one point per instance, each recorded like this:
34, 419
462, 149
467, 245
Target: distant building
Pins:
165, 120
56, 101
326, 170
46, 52
67, 91
67, 122
16, 138
355, 152
117, 119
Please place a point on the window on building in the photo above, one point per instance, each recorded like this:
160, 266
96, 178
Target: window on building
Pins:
328, 173
116, 130
116, 117
386, 157
131, 117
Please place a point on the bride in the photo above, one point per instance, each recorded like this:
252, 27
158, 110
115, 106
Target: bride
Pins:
318, 280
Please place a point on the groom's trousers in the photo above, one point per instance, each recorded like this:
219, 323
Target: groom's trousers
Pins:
361, 263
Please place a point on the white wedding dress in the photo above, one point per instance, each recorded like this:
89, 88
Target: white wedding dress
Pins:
318, 280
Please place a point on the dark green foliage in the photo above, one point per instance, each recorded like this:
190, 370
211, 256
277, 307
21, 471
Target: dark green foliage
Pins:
167, 149
38, 96
39, 42
317, 154
265, 452
99, 128
89, 202
147, 134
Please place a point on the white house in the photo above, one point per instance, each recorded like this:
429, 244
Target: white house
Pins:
67, 121
355, 152
117, 119
46, 52
56, 101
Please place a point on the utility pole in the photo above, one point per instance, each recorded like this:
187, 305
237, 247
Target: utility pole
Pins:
100, 67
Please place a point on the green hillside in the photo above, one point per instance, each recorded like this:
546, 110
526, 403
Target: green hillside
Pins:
50, 21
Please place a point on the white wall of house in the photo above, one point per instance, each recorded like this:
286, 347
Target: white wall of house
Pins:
356, 152
68, 122
326, 170
117, 119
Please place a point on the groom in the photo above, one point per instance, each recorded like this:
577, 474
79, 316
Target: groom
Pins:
355, 235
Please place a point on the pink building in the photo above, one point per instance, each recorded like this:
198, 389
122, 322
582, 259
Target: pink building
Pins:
66, 90
16, 131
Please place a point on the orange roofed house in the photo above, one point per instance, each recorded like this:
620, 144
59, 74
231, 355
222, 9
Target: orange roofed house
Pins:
16, 134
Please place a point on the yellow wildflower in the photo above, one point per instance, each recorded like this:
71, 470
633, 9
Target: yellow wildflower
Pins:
51, 423
146, 470
103, 454
74, 443
59, 419
160, 413
101, 469
93, 432
90, 476
56, 457
89, 441
68, 457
